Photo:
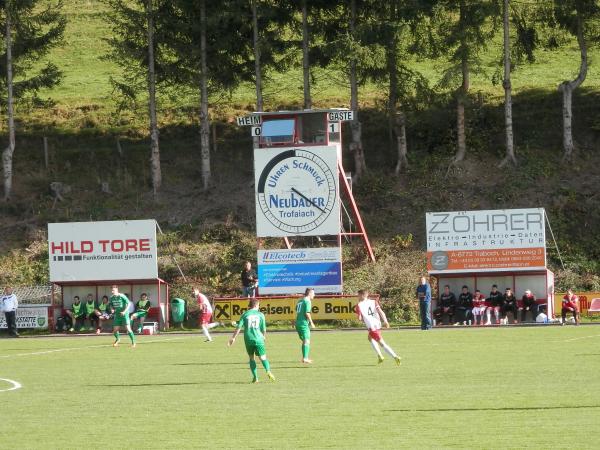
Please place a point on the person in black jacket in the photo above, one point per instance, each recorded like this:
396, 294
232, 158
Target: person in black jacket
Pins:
510, 304
249, 280
495, 301
529, 304
446, 305
464, 306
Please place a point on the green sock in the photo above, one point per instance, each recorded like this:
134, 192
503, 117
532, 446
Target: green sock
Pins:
131, 336
305, 350
266, 365
253, 369
116, 333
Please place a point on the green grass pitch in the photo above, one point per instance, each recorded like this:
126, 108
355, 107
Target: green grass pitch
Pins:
534, 387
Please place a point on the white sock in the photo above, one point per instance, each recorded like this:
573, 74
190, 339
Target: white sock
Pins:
212, 325
387, 348
206, 333
488, 314
375, 347
497, 314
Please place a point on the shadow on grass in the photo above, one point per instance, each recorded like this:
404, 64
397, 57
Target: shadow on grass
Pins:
507, 408
165, 384
211, 364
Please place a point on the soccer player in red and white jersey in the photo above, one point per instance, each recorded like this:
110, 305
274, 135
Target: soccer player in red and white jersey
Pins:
570, 303
370, 312
479, 307
205, 314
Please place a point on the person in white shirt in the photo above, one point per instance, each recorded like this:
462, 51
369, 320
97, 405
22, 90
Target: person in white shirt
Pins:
370, 312
9, 304
206, 312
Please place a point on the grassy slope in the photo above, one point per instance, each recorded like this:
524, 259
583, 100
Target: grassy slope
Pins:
82, 129
481, 388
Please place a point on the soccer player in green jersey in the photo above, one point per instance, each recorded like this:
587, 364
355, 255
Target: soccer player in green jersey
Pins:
255, 330
304, 322
120, 305
141, 311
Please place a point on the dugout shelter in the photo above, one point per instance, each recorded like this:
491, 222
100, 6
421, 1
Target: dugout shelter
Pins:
89, 257
482, 248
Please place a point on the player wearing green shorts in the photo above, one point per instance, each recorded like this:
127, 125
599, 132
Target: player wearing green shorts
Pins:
255, 330
304, 322
141, 310
120, 305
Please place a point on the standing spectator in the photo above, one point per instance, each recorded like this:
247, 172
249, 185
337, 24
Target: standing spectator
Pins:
206, 312
76, 314
570, 303
9, 304
495, 301
464, 305
509, 305
479, 307
103, 312
424, 297
446, 305
529, 303
90, 312
249, 280
141, 311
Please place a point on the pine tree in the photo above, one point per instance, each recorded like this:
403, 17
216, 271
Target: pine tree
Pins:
30, 31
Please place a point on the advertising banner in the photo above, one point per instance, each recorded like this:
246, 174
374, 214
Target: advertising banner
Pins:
292, 271
29, 318
480, 241
284, 308
297, 191
95, 251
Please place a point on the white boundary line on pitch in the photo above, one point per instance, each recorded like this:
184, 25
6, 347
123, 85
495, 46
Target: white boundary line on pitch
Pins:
583, 337
68, 349
16, 385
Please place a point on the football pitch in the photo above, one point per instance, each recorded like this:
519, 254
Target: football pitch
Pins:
526, 387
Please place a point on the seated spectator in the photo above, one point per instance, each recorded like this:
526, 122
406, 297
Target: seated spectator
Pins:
464, 306
446, 305
529, 304
76, 314
494, 303
141, 311
89, 308
509, 305
570, 304
479, 307
103, 312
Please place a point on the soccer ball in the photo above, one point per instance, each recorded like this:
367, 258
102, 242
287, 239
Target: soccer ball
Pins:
234, 323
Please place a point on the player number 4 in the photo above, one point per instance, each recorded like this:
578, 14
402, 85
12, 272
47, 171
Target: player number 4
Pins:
370, 312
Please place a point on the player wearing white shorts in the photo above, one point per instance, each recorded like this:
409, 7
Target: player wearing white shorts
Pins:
370, 312
205, 314
479, 307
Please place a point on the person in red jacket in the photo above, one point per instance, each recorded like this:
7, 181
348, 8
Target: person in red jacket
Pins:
528, 303
570, 303
479, 307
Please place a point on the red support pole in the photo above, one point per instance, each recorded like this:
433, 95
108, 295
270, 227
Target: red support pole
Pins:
361, 228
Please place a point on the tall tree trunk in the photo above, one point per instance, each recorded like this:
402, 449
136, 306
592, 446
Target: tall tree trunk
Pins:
204, 120
305, 62
356, 146
257, 69
508, 124
390, 56
462, 93
400, 130
567, 88
7, 154
154, 148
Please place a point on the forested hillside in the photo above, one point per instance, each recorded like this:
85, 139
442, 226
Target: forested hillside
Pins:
113, 130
